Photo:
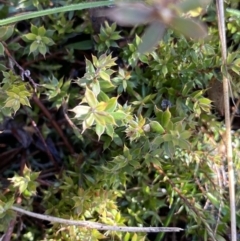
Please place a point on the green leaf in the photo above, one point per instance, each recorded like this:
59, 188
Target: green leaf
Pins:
30, 36
34, 29
89, 121
156, 127
117, 140
135, 237
6, 32
100, 107
1, 49
99, 130
197, 93
95, 61
80, 111
13, 104
185, 134
14, 46
164, 70
33, 47
214, 200
84, 126
96, 87
106, 117
89, 178
204, 101
106, 86
23, 187
208, 49
42, 49
90, 98
103, 96
25, 101
165, 118
127, 237
111, 104
185, 145
118, 115
169, 149
167, 138
3, 67
233, 12
99, 120
47, 41
82, 45
110, 130
186, 89
41, 31
158, 141
104, 76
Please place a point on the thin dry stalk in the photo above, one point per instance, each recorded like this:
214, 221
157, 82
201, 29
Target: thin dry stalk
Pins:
95, 225
221, 27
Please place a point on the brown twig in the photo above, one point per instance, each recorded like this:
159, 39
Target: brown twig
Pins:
53, 122
24, 73
235, 111
48, 56
7, 156
22, 162
42, 140
6, 2
71, 124
8, 234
